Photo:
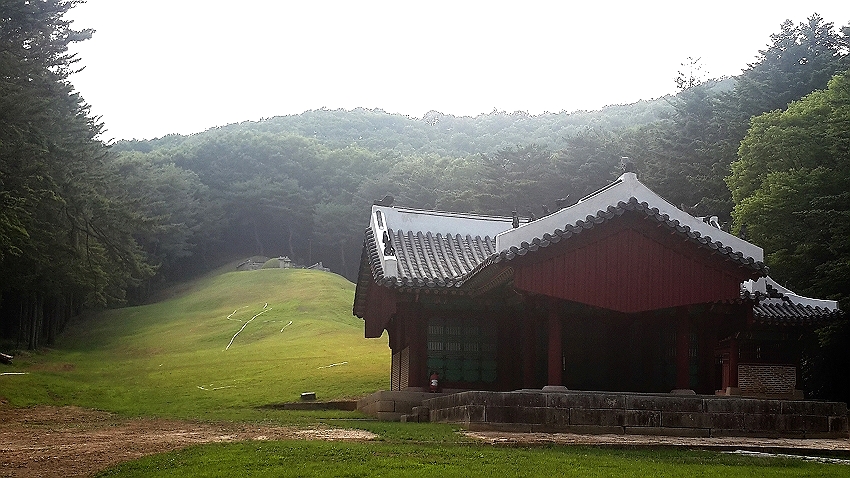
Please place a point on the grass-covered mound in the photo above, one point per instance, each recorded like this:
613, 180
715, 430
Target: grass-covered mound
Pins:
225, 345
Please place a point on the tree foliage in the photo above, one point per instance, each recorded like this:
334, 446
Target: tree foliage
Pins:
66, 232
790, 190
792, 177
800, 59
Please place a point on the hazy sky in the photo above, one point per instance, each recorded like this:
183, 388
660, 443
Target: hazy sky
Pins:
156, 67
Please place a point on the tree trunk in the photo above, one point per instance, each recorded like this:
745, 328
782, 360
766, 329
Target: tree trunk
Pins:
32, 322
21, 331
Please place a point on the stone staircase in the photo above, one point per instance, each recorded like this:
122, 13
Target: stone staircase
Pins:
396, 406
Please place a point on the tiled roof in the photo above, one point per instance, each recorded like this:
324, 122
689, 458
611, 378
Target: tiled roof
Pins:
626, 190
427, 260
613, 211
438, 260
779, 312
423, 260
448, 261
777, 305
436, 251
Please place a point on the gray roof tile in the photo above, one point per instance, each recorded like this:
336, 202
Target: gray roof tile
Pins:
615, 211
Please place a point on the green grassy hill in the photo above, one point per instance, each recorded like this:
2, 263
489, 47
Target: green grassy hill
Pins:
230, 342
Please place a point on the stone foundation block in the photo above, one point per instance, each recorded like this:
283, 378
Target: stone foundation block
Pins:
586, 400
604, 418
729, 421
810, 407
684, 420
531, 415
839, 424
790, 423
388, 416
761, 422
818, 424
665, 403
523, 399
557, 417
641, 418
742, 405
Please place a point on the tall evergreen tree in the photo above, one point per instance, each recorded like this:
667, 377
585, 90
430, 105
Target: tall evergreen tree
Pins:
66, 238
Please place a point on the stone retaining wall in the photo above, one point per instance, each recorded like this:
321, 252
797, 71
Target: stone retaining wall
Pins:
646, 414
391, 405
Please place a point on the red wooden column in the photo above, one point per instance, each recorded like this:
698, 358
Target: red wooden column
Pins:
683, 373
554, 347
733, 363
529, 346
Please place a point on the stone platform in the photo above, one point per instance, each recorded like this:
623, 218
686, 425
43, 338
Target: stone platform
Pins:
634, 413
393, 405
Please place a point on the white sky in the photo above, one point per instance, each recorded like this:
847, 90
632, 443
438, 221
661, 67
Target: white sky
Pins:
156, 67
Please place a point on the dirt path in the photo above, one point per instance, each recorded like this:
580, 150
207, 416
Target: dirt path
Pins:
71, 441
831, 446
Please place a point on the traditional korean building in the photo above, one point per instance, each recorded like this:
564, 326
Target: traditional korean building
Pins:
621, 291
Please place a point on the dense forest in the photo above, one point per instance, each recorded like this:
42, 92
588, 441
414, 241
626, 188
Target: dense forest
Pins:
86, 224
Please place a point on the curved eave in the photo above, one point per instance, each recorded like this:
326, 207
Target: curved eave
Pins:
370, 272
467, 284
790, 314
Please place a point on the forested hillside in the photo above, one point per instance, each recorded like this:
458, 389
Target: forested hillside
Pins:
85, 224
301, 185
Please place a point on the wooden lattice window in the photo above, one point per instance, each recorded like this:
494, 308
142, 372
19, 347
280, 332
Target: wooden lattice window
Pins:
462, 350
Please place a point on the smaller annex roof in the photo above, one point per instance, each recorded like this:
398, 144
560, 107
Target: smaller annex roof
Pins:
416, 248
777, 305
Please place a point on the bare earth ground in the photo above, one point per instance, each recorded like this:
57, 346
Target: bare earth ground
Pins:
71, 441
782, 445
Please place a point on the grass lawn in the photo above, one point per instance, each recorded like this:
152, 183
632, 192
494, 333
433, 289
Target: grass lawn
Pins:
311, 458
171, 359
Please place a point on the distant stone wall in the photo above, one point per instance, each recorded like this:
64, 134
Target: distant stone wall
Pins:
645, 414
